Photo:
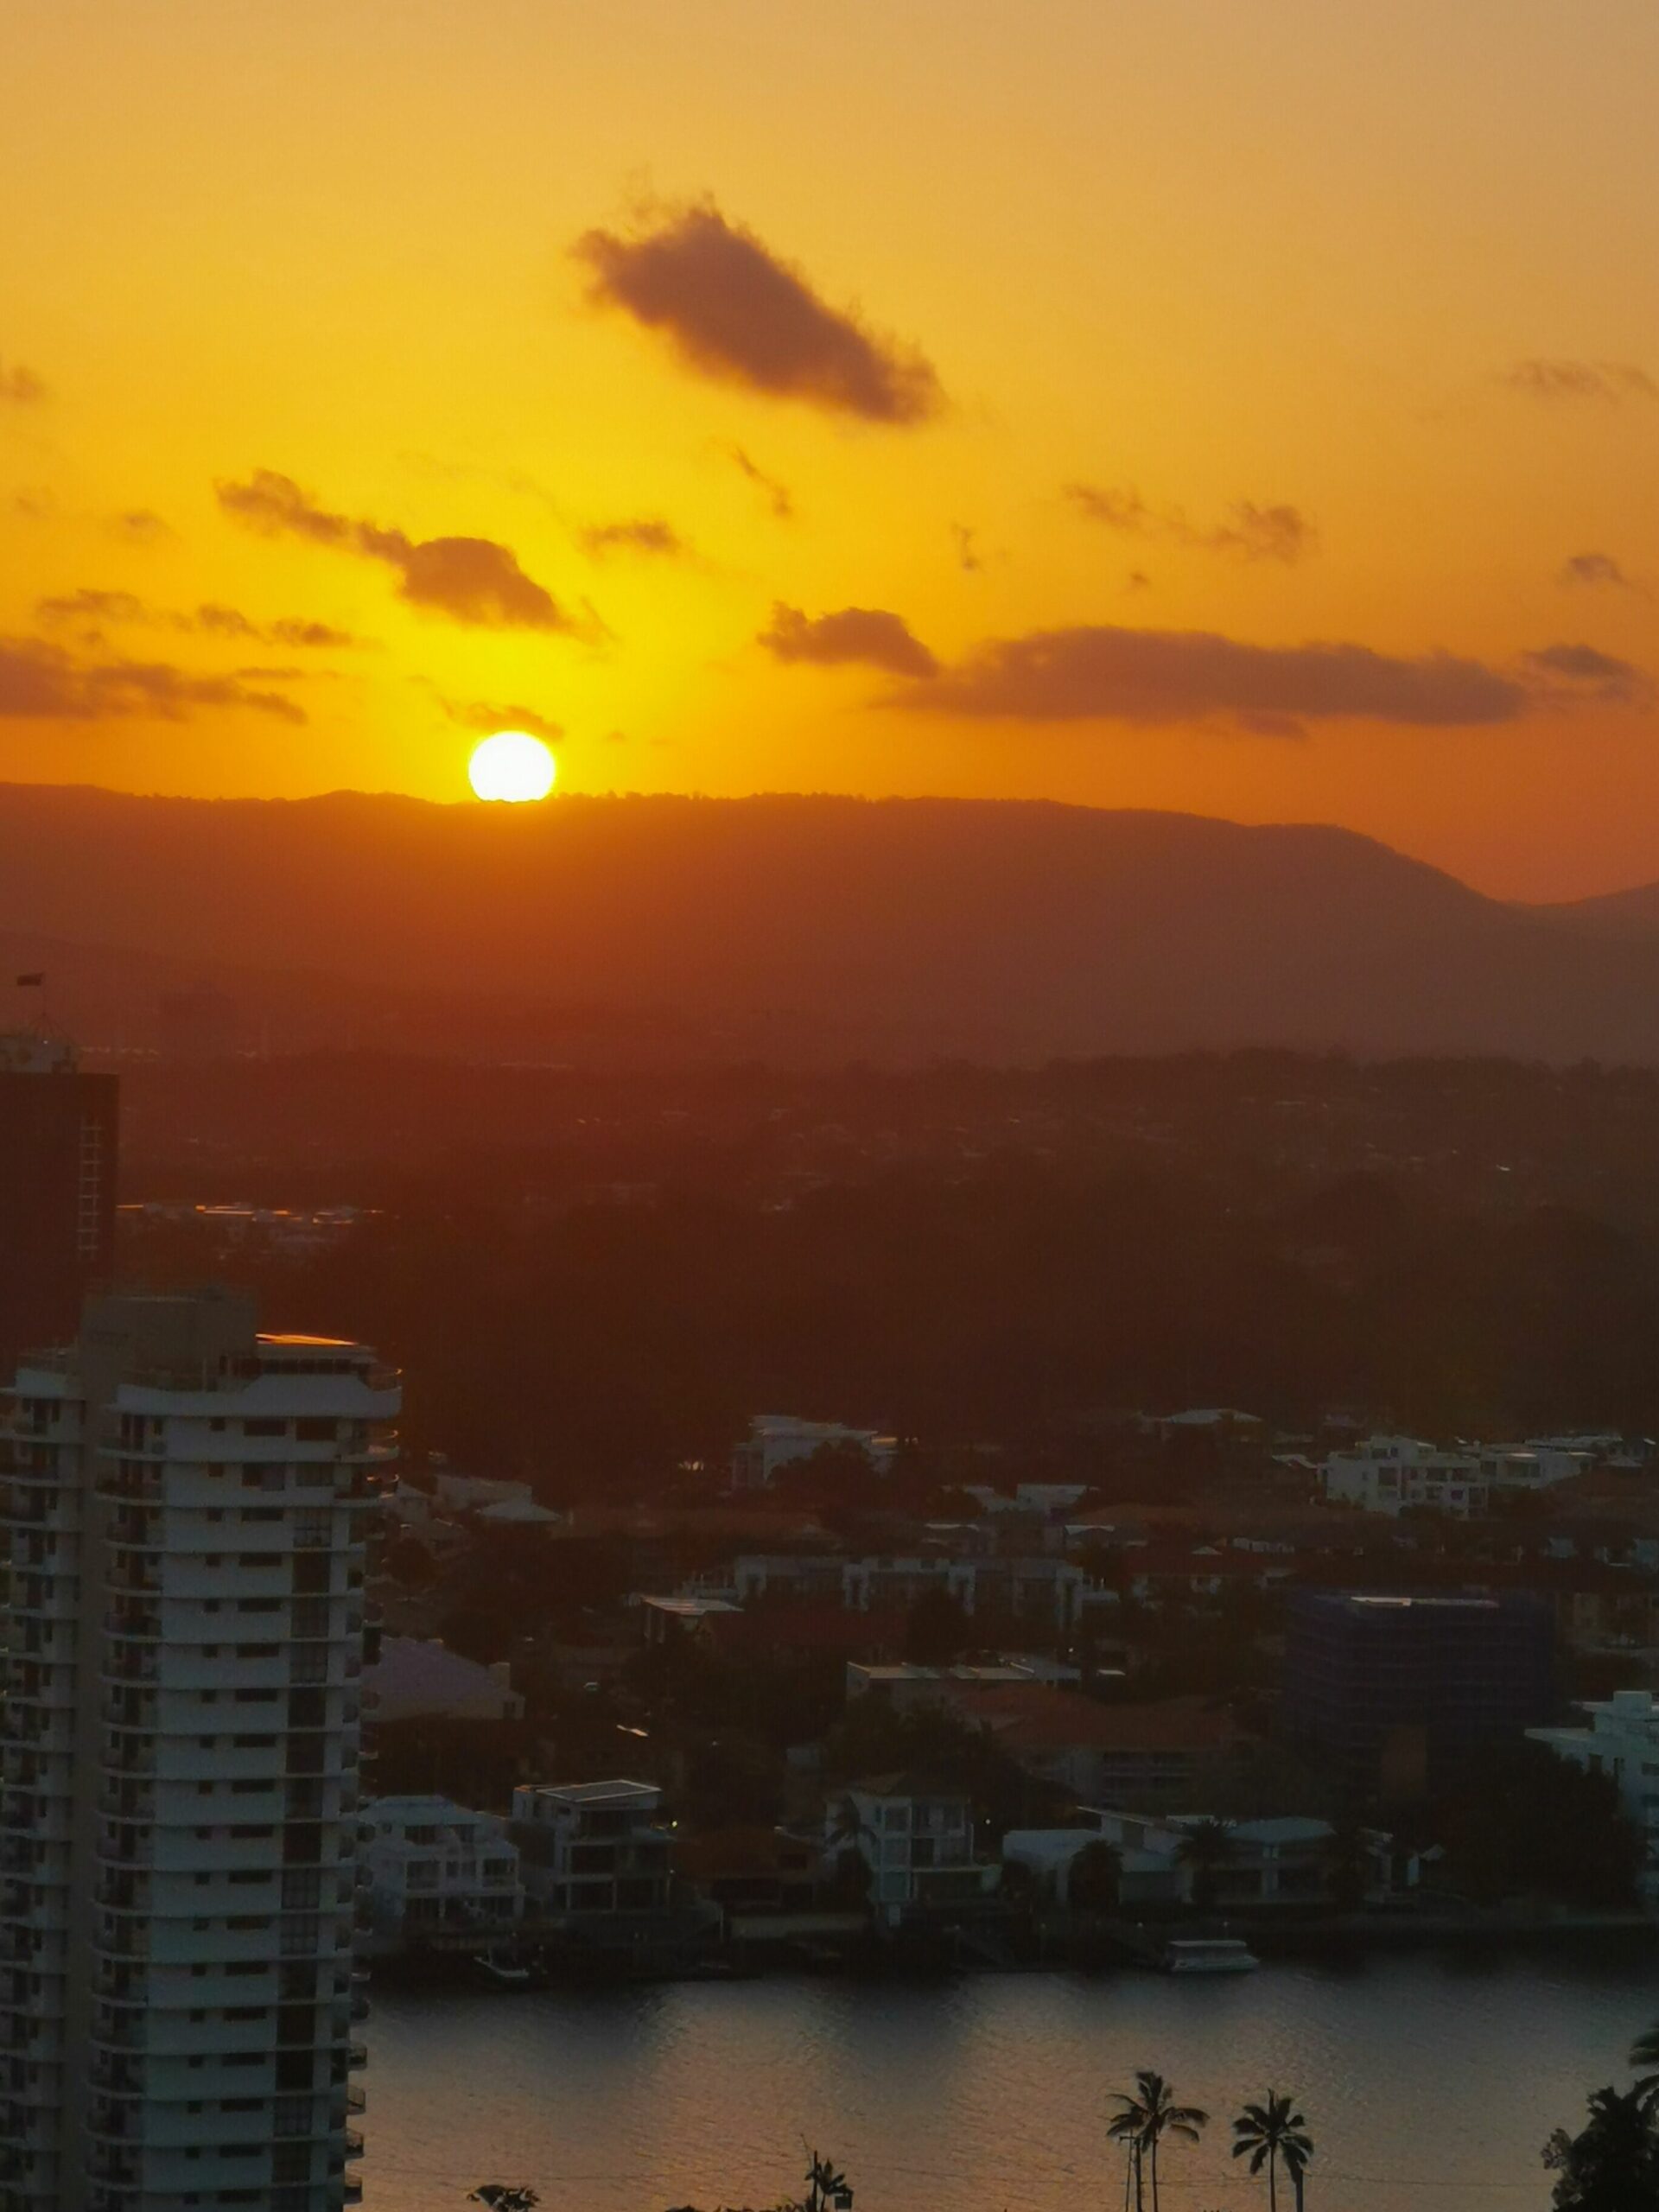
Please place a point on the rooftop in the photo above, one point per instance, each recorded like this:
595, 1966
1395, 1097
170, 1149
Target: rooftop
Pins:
622, 1793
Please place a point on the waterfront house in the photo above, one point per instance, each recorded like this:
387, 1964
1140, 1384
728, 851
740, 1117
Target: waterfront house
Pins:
438, 1873
916, 1836
591, 1848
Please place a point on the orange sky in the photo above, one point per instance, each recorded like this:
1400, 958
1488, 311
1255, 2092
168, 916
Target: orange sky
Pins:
1120, 359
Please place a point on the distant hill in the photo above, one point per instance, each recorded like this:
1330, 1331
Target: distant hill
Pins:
1633, 913
803, 929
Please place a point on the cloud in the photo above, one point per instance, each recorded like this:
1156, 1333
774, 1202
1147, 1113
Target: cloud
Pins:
140, 526
20, 387
479, 715
1609, 382
1596, 568
45, 682
647, 534
472, 580
735, 312
1599, 674
209, 620
867, 637
967, 554
1106, 673
777, 496
1253, 532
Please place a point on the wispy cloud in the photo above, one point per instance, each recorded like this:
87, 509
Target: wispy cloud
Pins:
869, 637
479, 715
777, 496
1573, 672
20, 386
735, 311
644, 534
1598, 570
1103, 672
1608, 383
472, 580
46, 682
139, 527
209, 620
1251, 532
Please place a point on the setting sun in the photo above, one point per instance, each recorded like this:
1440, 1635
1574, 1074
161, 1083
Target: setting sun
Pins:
511, 766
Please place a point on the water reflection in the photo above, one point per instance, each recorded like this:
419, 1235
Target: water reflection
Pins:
1428, 2081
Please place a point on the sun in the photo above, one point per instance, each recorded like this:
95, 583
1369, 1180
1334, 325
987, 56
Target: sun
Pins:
511, 766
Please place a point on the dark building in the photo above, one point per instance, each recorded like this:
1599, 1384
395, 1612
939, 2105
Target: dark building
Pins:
58, 1137
1392, 1690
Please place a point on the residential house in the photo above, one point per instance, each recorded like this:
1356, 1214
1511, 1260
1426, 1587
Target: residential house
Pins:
1389, 1474
917, 1838
438, 1870
589, 1848
777, 1440
1169, 1752
1283, 1860
417, 1679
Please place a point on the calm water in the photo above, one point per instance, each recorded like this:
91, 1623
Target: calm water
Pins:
1428, 2081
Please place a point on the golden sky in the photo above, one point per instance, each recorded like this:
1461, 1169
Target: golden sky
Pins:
1245, 406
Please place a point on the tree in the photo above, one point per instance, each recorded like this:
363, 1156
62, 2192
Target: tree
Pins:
1612, 2166
1095, 1877
501, 2197
1267, 2132
827, 2190
1207, 1849
1142, 2121
1644, 2052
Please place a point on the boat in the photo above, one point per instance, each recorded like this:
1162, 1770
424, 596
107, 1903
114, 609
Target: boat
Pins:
1208, 1955
500, 1975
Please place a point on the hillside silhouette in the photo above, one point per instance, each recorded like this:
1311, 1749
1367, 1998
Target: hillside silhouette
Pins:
795, 928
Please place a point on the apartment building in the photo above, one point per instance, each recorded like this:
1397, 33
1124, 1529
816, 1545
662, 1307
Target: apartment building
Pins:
183, 1504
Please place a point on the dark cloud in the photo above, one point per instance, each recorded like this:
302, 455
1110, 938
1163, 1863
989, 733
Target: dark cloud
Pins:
87, 604
735, 312
777, 496
647, 534
209, 620
45, 682
1609, 382
472, 580
20, 387
1103, 672
1251, 532
1596, 568
480, 715
869, 637
1593, 673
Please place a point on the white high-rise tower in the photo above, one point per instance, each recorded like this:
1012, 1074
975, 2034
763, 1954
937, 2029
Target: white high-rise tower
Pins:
184, 1504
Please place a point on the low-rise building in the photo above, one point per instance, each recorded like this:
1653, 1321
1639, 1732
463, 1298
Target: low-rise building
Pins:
906, 1687
1391, 1474
777, 1440
1283, 1860
589, 1848
916, 1836
1620, 1739
438, 1870
1171, 1751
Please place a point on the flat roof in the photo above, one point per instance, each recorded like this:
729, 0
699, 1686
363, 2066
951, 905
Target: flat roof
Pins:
592, 1793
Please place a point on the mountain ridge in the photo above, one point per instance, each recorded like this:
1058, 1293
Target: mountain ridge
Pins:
797, 926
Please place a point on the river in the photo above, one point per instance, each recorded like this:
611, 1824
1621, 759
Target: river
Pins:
1428, 2081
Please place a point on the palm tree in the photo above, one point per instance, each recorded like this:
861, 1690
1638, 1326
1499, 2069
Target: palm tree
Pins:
1644, 2052
1142, 2122
1207, 1848
1095, 1877
1267, 2132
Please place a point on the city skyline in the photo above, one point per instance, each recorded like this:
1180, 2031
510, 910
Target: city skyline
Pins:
1251, 414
